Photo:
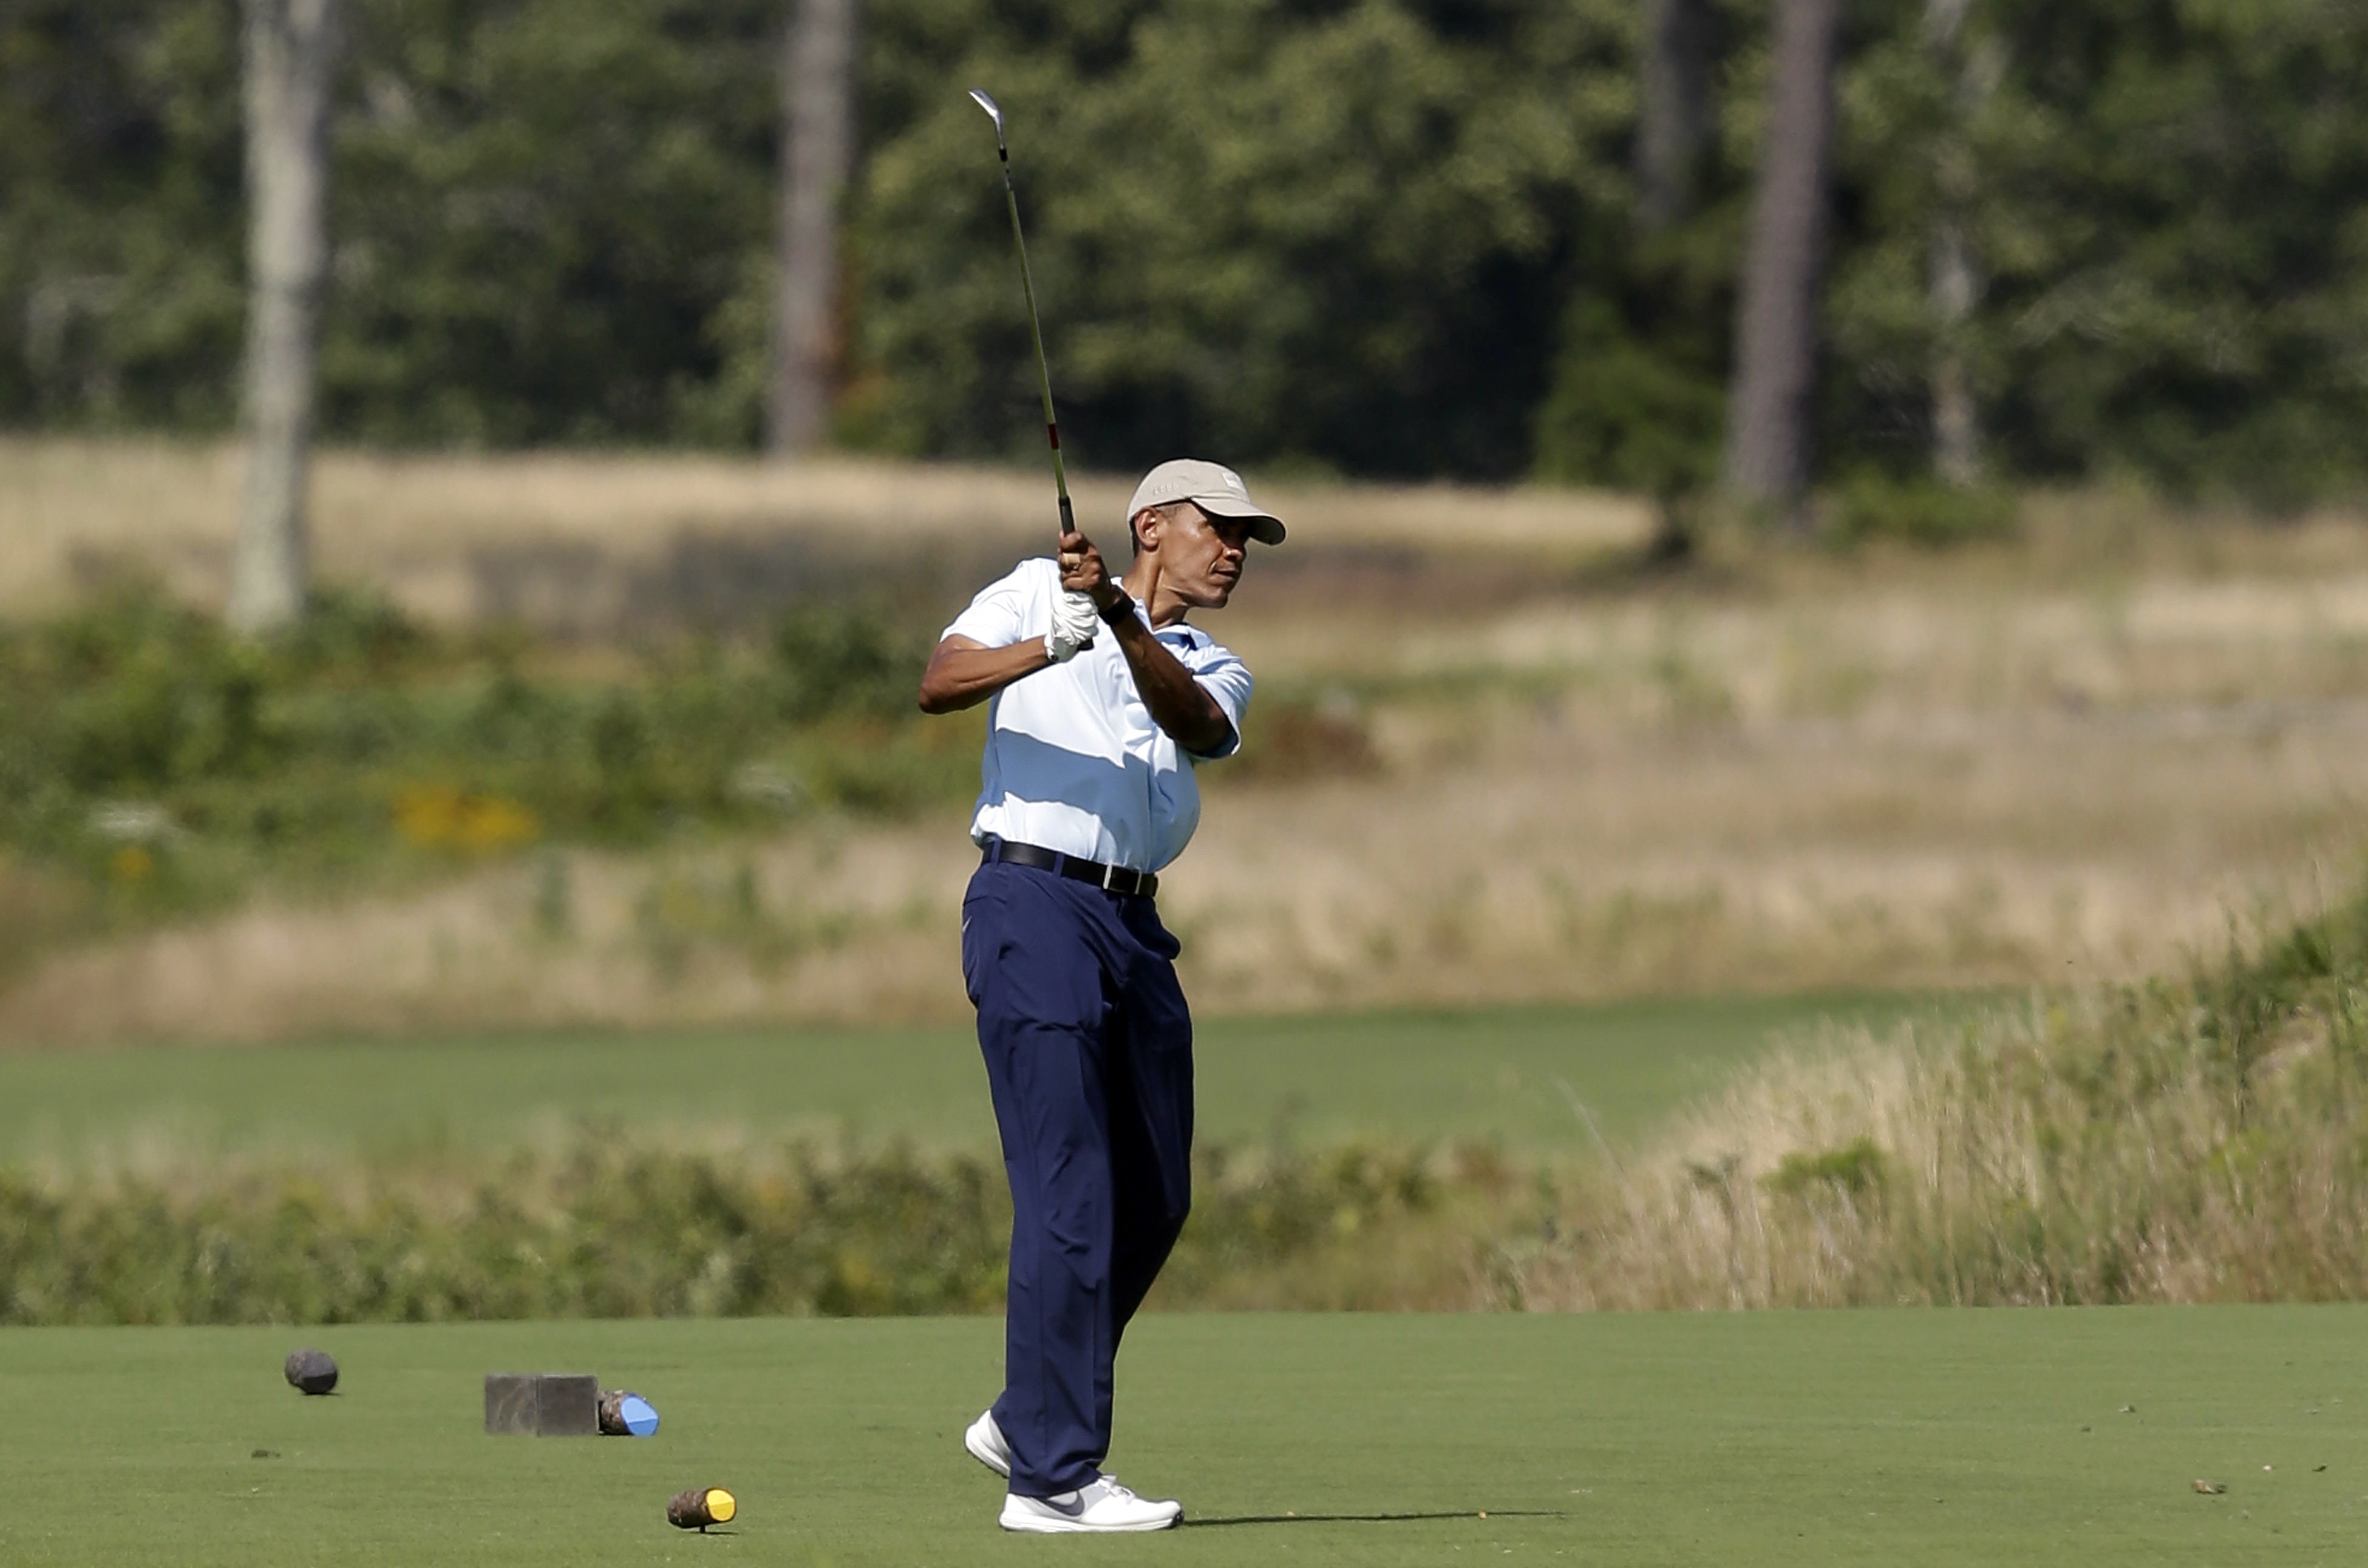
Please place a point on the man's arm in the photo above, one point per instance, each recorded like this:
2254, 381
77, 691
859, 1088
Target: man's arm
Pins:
1179, 704
964, 673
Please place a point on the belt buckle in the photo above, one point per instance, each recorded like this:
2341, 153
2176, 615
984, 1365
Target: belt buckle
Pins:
1110, 877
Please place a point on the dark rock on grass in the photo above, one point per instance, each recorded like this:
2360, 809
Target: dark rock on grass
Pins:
312, 1372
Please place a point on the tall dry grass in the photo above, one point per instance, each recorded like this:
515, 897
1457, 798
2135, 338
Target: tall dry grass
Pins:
1547, 867
2174, 1143
1854, 774
591, 543
2069, 759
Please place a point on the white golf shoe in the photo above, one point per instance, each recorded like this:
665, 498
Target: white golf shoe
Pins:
985, 1442
1100, 1508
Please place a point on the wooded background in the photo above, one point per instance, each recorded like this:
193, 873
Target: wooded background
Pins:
2062, 239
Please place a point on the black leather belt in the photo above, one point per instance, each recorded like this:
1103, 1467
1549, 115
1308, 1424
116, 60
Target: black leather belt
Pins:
1110, 878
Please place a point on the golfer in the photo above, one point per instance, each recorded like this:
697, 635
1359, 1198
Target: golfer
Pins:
1102, 702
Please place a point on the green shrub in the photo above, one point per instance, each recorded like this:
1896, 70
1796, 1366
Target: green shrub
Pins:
838, 659
1625, 413
170, 767
1919, 512
1289, 740
603, 1227
1853, 1171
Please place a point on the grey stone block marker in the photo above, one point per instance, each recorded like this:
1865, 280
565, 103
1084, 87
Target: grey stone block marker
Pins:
542, 1404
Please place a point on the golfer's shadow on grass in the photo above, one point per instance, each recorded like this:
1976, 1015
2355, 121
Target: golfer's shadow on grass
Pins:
1190, 1523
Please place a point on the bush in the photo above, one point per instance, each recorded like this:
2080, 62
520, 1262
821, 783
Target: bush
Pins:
1626, 414
838, 659
605, 1228
1920, 512
1854, 1172
169, 767
1292, 741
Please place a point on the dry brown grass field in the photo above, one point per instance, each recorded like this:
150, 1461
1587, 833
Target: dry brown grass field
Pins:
1497, 764
597, 545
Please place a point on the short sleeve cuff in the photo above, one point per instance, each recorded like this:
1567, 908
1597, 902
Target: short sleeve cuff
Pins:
1232, 740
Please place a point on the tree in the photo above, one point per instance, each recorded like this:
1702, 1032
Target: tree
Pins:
1399, 237
120, 288
290, 55
556, 222
1350, 253
1769, 434
817, 157
1955, 278
1673, 123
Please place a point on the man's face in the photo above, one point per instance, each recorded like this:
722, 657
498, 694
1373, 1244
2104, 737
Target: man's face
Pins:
1201, 557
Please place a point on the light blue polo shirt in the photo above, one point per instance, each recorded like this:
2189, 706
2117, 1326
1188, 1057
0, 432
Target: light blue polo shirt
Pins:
1073, 762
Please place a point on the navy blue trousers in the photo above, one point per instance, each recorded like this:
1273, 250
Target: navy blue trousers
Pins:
1088, 1052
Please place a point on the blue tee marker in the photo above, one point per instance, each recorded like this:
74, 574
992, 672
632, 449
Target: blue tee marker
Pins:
624, 1413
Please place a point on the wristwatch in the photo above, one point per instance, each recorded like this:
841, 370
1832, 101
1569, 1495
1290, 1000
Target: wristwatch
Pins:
1119, 612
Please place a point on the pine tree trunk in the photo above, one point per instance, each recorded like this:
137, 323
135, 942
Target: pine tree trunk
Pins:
1955, 284
1770, 413
1674, 108
290, 58
817, 155
1956, 417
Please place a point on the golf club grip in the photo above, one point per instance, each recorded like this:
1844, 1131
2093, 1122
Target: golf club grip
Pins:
1068, 518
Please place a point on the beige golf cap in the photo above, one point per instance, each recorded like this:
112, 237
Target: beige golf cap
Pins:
1215, 488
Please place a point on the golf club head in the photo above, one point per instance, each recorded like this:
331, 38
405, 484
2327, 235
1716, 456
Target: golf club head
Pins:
994, 112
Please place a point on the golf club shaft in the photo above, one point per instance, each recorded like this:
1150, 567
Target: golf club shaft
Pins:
1036, 330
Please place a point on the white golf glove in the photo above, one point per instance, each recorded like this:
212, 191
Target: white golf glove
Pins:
1074, 625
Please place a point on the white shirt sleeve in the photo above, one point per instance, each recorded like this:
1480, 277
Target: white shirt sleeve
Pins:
1001, 614
1227, 679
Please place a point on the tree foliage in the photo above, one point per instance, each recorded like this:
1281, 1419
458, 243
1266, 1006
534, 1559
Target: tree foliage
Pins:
2171, 202
1380, 236
1325, 234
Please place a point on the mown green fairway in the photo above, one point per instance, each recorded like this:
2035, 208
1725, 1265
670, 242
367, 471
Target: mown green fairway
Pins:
1925, 1437
1497, 1074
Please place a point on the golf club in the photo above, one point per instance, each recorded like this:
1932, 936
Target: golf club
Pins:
1027, 287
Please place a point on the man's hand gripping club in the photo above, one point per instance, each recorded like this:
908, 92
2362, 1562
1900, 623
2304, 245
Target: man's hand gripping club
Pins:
1085, 591
1075, 619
